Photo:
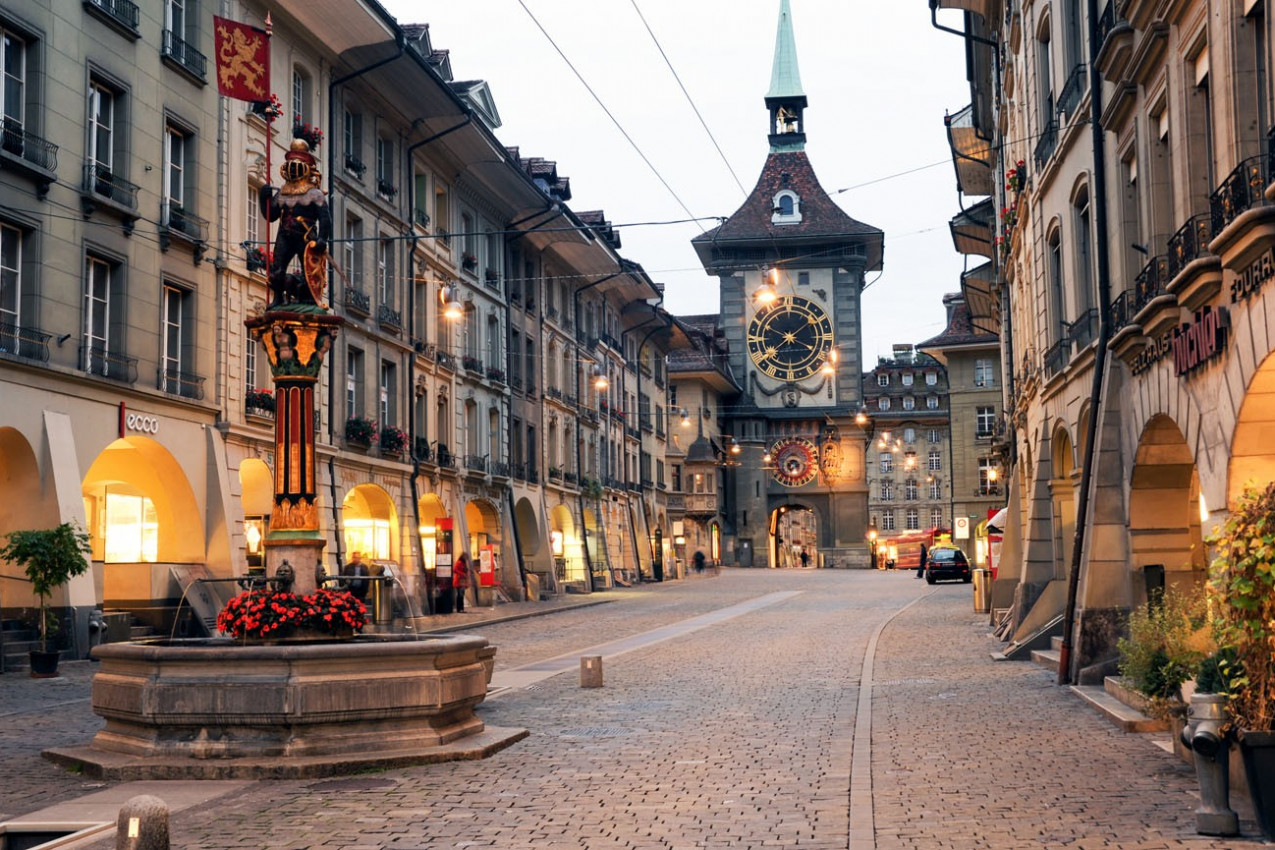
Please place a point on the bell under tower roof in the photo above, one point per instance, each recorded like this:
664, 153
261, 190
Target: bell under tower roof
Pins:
786, 101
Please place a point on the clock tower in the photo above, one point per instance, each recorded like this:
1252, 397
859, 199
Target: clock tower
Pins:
790, 266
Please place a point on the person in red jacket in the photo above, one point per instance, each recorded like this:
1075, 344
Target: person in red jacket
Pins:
460, 580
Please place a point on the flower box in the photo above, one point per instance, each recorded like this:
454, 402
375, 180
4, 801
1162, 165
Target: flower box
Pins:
393, 440
360, 430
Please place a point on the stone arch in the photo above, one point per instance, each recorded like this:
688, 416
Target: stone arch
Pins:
482, 524
1062, 495
369, 522
782, 504
23, 506
1252, 455
141, 510
528, 525
1164, 498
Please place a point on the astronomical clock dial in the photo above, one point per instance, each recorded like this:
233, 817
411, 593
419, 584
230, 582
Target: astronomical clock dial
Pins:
796, 462
790, 339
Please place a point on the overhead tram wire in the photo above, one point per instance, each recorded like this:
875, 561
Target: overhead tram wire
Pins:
689, 99
614, 120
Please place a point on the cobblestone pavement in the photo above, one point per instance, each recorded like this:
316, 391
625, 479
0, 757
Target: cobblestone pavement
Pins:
739, 735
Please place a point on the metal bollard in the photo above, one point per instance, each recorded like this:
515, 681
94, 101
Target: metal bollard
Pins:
1203, 734
142, 824
591, 671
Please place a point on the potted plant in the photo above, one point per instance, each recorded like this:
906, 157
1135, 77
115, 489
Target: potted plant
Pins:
469, 261
1242, 593
51, 557
1168, 638
360, 430
393, 440
259, 401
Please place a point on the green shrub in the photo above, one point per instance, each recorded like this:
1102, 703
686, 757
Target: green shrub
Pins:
1168, 638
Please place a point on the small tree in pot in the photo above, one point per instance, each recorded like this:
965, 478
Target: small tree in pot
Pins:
1242, 593
51, 557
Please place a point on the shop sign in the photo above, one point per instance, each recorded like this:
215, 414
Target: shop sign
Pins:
141, 423
1253, 277
1156, 350
443, 549
1195, 344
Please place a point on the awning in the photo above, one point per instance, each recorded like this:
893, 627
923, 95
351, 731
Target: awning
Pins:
972, 229
996, 525
971, 154
982, 297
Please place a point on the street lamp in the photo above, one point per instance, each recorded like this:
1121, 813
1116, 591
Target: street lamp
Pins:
872, 540
766, 294
449, 297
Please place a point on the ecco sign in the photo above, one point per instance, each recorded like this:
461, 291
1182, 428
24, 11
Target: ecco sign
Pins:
141, 423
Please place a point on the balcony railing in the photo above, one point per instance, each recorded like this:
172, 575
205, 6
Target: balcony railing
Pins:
29, 343
420, 218
1073, 90
184, 223
1242, 190
476, 463
184, 384
387, 315
422, 450
1150, 282
102, 183
1106, 22
569, 478
1121, 310
29, 147
1189, 243
446, 460
105, 364
1046, 144
1056, 357
121, 12
500, 468
1084, 329
185, 55
357, 300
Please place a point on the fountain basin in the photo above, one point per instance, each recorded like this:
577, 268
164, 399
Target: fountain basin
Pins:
219, 709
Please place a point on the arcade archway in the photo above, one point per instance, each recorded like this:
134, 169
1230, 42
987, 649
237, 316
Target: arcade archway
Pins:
794, 531
141, 513
1062, 490
1165, 541
370, 523
1252, 455
256, 485
430, 510
23, 506
566, 546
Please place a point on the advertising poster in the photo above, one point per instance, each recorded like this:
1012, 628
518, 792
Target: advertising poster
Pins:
443, 550
487, 560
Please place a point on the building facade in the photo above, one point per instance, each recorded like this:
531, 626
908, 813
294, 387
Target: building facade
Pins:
1130, 158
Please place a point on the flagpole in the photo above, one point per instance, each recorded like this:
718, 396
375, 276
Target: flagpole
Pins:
269, 250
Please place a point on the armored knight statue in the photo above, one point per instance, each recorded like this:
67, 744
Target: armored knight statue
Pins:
305, 225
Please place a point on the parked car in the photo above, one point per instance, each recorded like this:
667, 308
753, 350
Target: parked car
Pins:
947, 562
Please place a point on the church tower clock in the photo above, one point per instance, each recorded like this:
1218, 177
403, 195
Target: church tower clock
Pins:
790, 266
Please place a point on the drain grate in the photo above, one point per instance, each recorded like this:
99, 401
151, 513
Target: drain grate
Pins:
595, 732
355, 784
884, 683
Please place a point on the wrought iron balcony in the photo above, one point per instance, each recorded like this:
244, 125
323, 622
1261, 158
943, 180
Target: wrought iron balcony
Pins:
1189, 243
1121, 310
357, 300
1073, 90
476, 463
1084, 329
500, 468
181, 222
185, 55
520, 472
386, 188
1242, 190
1046, 144
101, 183
422, 450
104, 364
121, 13
555, 474
184, 384
1150, 282
1057, 356
420, 218
569, 478
446, 360
387, 315
37, 155
28, 343
1106, 21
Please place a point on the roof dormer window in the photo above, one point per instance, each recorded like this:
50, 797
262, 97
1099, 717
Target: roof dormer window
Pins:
787, 208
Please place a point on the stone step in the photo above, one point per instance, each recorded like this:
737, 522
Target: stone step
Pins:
1055, 643
1047, 658
1123, 716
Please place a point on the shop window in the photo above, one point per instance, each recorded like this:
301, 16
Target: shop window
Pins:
130, 529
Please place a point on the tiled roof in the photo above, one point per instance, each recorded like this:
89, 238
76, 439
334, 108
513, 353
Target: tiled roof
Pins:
960, 328
820, 217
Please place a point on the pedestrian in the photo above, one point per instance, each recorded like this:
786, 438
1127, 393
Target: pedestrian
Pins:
805, 559
920, 569
460, 580
356, 567
698, 560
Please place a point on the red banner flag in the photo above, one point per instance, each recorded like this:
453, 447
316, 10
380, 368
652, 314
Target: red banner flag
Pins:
243, 60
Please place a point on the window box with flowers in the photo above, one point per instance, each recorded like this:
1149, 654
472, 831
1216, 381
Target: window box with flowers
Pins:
386, 189
495, 374
259, 402
471, 364
393, 440
469, 261
257, 259
360, 431
1016, 178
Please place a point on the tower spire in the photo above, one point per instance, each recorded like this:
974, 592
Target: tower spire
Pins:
785, 100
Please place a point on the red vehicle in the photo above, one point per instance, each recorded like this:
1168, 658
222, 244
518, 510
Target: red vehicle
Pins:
908, 545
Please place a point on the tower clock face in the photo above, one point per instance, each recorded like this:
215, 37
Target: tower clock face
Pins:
790, 339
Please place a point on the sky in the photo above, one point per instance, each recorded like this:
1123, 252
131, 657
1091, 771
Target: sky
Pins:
878, 79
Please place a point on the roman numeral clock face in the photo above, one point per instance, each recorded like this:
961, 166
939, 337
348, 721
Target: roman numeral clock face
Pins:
790, 339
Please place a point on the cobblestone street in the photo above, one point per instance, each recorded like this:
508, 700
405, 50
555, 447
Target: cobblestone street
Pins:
741, 734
